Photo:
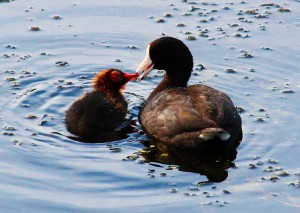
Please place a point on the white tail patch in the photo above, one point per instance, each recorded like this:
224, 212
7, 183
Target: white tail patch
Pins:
224, 136
212, 133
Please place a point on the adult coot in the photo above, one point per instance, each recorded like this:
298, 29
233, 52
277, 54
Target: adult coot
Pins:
98, 113
190, 117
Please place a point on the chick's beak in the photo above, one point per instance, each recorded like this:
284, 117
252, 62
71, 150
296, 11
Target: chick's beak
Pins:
130, 77
146, 66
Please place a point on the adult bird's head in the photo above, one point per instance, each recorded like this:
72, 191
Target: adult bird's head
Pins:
169, 54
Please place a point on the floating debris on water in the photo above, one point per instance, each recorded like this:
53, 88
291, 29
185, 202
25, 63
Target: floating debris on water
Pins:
62, 64
267, 48
259, 16
229, 70
8, 133
283, 174
284, 10
225, 191
9, 46
56, 17
252, 12
296, 185
42, 123
168, 15
151, 170
200, 67
259, 163
193, 8
133, 47
115, 149
35, 29
240, 109
193, 188
187, 14
269, 5
17, 142
288, 91
180, 25
82, 77
173, 190
260, 120
191, 38
160, 20
269, 169
246, 54
31, 116
163, 174
10, 128
274, 179
171, 167
272, 161
10, 79
131, 157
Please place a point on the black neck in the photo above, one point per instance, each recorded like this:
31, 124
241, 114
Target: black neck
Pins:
166, 83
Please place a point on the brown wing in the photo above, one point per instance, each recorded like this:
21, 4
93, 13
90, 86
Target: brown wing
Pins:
176, 111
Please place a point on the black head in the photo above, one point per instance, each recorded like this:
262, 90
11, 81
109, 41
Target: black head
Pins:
173, 56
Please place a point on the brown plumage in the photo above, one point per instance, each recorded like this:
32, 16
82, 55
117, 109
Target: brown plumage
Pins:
190, 117
96, 114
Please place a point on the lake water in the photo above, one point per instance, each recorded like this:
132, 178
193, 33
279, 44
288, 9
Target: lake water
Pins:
50, 50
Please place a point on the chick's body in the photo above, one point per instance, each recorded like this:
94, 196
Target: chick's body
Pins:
95, 113
99, 112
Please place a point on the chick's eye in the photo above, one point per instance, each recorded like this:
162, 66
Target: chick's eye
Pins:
116, 76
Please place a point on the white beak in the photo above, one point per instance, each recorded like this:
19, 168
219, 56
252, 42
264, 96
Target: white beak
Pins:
146, 66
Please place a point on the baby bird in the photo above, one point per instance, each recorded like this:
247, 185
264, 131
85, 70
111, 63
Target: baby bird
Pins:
96, 114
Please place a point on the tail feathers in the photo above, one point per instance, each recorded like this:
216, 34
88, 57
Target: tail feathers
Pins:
214, 133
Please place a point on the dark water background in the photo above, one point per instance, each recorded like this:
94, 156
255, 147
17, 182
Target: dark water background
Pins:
249, 50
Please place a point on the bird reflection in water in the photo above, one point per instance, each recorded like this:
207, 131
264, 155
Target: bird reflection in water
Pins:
123, 132
213, 163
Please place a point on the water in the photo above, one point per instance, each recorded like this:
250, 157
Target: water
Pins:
41, 170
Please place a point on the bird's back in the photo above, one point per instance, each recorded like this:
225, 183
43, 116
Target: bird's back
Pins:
181, 112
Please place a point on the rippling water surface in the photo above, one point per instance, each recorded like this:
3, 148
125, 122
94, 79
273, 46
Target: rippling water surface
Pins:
250, 50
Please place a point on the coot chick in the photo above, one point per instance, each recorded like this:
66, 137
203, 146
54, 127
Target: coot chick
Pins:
190, 117
96, 114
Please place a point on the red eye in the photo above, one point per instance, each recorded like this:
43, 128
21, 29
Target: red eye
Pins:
116, 76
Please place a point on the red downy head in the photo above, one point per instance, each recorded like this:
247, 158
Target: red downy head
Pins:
112, 80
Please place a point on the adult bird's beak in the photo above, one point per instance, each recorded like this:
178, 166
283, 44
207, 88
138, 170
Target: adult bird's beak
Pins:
146, 66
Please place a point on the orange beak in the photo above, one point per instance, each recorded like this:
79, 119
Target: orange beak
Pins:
130, 77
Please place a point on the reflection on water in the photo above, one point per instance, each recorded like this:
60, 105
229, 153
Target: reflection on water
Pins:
212, 163
5, 1
119, 134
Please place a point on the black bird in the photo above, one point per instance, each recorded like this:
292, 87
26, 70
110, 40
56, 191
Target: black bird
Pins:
96, 114
190, 117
